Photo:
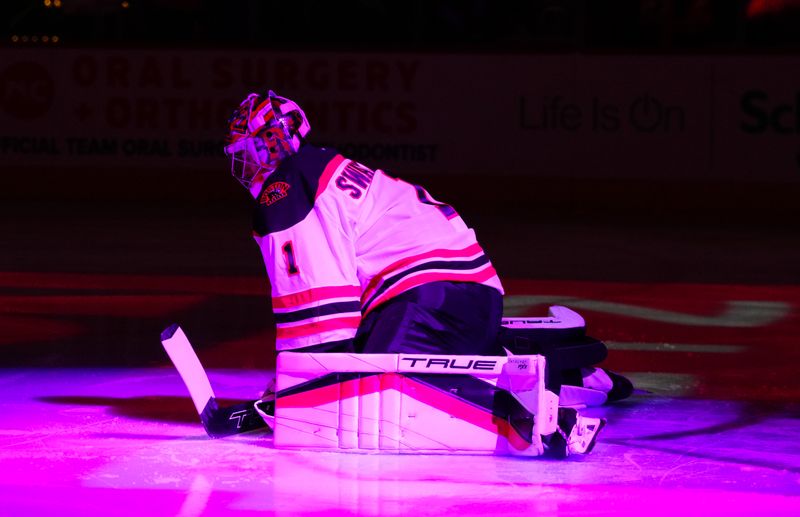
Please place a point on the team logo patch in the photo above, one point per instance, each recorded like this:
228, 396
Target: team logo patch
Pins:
274, 192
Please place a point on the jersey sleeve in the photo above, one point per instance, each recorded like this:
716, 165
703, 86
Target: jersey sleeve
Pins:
315, 289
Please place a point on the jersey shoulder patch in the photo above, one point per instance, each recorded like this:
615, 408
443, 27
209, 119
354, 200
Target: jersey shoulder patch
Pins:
289, 193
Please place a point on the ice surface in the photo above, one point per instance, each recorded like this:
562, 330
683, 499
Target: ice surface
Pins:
127, 442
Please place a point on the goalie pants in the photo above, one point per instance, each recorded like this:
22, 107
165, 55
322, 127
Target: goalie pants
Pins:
435, 318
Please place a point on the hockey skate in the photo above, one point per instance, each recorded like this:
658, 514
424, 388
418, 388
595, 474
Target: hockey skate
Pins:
575, 434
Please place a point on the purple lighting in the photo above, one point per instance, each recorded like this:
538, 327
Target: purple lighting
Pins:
125, 441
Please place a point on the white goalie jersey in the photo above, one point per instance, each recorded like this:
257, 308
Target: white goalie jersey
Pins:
339, 239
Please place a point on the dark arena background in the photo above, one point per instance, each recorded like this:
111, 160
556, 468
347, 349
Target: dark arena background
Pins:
636, 161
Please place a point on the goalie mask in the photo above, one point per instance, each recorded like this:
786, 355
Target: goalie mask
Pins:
263, 132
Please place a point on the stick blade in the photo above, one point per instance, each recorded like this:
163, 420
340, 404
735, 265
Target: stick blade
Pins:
239, 418
217, 421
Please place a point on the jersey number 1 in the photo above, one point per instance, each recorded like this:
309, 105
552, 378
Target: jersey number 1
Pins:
291, 263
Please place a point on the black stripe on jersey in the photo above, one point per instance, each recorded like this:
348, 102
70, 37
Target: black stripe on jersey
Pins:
316, 312
301, 172
439, 264
424, 197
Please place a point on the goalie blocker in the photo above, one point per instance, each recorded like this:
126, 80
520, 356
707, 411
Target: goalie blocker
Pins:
411, 403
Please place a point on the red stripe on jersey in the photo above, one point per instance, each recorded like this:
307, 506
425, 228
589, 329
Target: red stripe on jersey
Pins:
315, 295
392, 268
317, 327
477, 277
327, 174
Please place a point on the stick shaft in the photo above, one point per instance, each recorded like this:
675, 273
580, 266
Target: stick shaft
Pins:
182, 354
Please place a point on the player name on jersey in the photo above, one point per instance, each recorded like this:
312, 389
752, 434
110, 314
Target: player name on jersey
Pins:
355, 179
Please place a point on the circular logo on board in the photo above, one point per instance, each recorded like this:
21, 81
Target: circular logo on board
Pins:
26, 90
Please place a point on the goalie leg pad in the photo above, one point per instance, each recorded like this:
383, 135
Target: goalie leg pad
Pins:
560, 337
402, 403
570, 353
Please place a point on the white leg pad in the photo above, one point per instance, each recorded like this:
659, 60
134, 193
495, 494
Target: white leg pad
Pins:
405, 403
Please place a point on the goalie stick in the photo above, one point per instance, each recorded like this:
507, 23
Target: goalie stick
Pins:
217, 421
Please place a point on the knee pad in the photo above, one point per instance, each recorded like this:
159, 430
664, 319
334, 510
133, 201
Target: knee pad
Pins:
560, 337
